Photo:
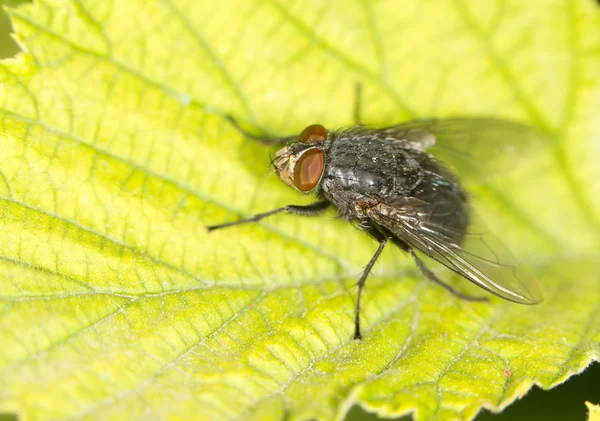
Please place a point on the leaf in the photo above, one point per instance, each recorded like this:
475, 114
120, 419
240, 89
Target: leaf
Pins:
593, 411
116, 303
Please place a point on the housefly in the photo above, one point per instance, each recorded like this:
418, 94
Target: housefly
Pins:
400, 184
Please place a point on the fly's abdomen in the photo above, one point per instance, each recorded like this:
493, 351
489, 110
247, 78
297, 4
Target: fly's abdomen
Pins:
448, 206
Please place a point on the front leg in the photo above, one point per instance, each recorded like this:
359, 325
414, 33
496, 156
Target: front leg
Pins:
306, 210
265, 140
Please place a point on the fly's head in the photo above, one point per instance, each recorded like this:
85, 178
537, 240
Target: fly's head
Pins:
301, 164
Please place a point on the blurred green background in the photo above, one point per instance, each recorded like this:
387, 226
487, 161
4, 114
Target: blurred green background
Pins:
8, 47
565, 402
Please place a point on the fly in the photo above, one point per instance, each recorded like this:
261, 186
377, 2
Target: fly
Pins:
389, 183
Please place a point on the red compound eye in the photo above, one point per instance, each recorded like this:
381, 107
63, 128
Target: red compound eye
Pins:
313, 133
309, 169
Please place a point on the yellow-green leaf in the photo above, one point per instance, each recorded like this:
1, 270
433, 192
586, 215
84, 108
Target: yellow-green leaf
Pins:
115, 303
593, 412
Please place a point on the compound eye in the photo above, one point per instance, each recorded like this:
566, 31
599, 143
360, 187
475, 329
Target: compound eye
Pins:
309, 169
313, 133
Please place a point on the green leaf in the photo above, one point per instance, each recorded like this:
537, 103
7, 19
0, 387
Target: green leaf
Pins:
116, 303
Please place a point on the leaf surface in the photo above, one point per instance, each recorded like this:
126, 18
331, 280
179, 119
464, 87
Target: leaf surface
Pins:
593, 411
115, 301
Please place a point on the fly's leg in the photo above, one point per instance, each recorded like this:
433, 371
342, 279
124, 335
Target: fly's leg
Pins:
361, 284
430, 275
307, 210
357, 96
269, 141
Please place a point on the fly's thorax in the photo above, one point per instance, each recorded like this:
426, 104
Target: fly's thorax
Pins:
363, 165
301, 164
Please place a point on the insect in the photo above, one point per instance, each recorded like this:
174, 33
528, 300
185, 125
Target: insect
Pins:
387, 183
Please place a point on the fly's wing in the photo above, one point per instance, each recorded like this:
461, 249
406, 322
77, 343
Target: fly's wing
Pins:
475, 149
480, 257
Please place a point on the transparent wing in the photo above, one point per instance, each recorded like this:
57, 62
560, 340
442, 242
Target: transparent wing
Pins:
475, 149
480, 257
